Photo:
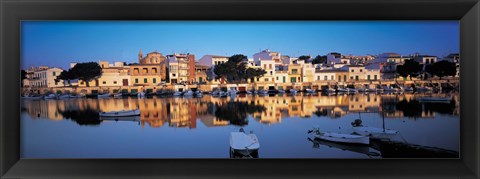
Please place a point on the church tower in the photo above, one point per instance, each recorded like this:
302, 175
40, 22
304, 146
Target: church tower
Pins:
140, 55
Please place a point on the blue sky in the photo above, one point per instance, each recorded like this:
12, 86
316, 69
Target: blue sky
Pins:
56, 43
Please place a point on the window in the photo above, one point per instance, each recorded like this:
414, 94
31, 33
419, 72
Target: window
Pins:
352, 70
114, 82
266, 79
277, 78
361, 70
269, 66
136, 80
154, 80
351, 77
331, 77
356, 78
284, 79
293, 79
368, 77
154, 70
294, 71
325, 77
258, 79
104, 82
375, 77
318, 77
54, 73
145, 80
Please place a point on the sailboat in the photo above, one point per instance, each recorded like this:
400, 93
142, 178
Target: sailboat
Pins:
373, 132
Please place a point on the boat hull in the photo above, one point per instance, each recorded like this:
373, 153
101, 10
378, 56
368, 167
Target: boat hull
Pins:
120, 113
375, 133
344, 138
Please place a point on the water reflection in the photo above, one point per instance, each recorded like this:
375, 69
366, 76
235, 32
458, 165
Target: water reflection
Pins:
186, 112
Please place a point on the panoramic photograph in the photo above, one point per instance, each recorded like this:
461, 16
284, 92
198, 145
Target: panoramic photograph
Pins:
240, 89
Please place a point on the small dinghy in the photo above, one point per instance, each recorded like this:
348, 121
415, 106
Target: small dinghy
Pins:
106, 95
51, 96
122, 113
65, 96
245, 144
339, 137
372, 132
32, 97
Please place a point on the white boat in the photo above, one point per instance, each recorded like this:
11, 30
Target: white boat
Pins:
331, 90
281, 91
435, 99
122, 113
198, 93
293, 91
308, 90
106, 95
177, 93
352, 90
141, 94
262, 92
243, 143
389, 89
339, 137
51, 96
117, 95
362, 90
375, 133
32, 97
249, 92
64, 96
188, 93
408, 88
342, 90
76, 96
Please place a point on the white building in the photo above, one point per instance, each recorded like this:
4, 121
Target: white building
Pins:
210, 61
338, 59
44, 76
267, 55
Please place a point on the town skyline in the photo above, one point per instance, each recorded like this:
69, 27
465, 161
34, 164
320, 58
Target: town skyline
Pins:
58, 43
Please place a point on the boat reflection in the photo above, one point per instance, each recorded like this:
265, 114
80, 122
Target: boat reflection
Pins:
362, 149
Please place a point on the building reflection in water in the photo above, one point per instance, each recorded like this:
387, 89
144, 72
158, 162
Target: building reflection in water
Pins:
186, 112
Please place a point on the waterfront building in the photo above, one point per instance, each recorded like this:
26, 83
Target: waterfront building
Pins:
201, 74
425, 59
150, 71
337, 59
267, 55
43, 77
210, 61
308, 73
372, 72
181, 68
355, 72
113, 75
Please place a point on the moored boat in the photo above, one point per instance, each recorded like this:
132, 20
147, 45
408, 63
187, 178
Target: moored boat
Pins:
32, 97
372, 132
242, 143
339, 137
64, 96
51, 96
122, 113
117, 95
105, 95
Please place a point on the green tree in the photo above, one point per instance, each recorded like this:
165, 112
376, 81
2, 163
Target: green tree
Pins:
235, 70
442, 68
319, 59
304, 57
65, 76
409, 68
86, 71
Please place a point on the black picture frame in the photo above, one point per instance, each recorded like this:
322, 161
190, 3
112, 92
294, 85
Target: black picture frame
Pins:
13, 11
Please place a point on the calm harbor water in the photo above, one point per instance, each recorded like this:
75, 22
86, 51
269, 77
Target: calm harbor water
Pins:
177, 127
